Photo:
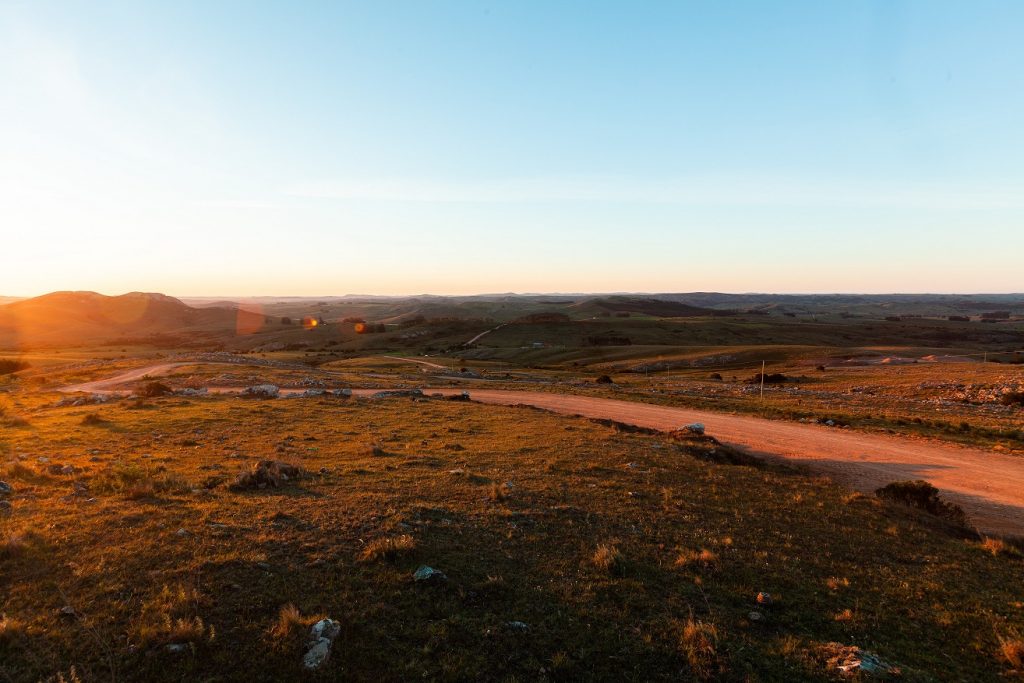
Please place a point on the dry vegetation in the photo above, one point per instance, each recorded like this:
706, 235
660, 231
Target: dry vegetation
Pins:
626, 557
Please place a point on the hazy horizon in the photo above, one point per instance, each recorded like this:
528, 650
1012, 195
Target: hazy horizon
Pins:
242, 297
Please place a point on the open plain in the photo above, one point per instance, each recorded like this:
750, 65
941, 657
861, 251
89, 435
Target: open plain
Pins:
176, 511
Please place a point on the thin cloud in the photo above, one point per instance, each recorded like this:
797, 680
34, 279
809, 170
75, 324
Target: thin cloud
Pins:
684, 191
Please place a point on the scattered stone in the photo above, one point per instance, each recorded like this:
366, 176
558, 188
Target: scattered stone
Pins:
755, 616
398, 393
427, 574
177, 648
694, 428
322, 636
182, 533
79, 488
5, 489
68, 612
42, 460
850, 659
517, 626
262, 391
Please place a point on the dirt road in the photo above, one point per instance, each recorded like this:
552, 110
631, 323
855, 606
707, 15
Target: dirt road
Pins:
107, 386
989, 485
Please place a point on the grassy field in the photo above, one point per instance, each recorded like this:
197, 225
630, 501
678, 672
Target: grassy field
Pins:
572, 551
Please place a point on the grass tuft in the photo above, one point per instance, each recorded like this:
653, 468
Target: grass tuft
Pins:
1011, 648
387, 548
608, 559
290, 618
699, 643
702, 559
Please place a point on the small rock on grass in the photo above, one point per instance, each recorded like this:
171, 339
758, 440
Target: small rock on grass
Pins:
322, 636
428, 574
5, 489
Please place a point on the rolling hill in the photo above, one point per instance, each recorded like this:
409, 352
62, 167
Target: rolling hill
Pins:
76, 318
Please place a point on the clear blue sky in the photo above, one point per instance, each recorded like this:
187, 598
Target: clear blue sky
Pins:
405, 147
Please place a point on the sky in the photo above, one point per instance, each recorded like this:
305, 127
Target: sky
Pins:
290, 148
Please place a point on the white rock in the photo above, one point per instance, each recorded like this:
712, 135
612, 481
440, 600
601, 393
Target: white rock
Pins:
694, 428
318, 654
323, 634
262, 391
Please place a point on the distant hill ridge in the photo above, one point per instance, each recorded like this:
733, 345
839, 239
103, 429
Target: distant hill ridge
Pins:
82, 317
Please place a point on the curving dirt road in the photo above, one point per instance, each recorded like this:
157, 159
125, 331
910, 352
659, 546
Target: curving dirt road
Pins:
106, 386
989, 485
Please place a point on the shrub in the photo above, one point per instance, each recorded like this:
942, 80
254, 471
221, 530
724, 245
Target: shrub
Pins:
923, 496
717, 376
154, 389
266, 473
604, 379
999, 547
770, 378
93, 419
9, 366
1012, 398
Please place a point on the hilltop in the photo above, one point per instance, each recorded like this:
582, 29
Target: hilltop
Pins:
73, 318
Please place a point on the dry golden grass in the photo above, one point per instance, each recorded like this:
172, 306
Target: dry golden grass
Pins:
12, 546
387, 548
607, 558
1011, 648
290, 620
835, 583
699, 559
998, 547
698, 642
845, 615
497, 492
551, 554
